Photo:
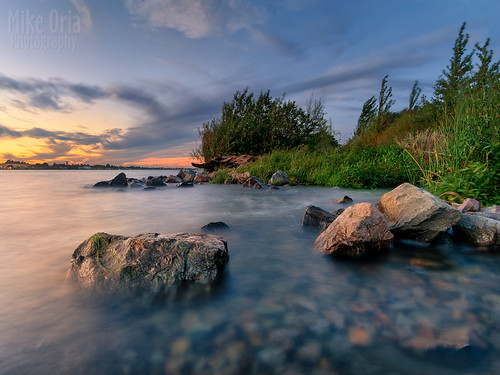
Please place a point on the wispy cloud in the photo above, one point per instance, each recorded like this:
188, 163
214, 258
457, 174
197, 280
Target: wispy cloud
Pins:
84, 12
196, 18
358, 71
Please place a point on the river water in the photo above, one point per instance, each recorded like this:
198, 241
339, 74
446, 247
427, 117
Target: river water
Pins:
279, 309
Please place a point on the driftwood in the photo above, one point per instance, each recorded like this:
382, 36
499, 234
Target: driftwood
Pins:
225, 162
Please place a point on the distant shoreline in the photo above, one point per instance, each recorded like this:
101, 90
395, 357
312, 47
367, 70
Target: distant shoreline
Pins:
21, 165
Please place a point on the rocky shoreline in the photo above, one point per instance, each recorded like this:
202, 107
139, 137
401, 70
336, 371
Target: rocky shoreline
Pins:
154, 261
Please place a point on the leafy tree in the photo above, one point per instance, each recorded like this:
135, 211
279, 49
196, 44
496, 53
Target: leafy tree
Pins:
256, 126
454, 79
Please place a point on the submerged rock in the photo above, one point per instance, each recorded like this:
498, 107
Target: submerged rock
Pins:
344, 199
119, 181
479, 230
173, 179
155, 181
280, 178
415, 213
254, 182
215, 226
317, 217
359, 231
149, 261
184, 184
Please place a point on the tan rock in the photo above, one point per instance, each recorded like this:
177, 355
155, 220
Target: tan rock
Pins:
359, 230
415, 213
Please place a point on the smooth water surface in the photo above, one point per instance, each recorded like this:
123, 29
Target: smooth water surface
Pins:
279, 309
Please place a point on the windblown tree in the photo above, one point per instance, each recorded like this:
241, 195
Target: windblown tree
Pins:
367, 116
488, 73
414, 96
256, 126
454, 80
384, 103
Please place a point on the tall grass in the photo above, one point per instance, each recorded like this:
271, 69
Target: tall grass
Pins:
371, 167
462, 154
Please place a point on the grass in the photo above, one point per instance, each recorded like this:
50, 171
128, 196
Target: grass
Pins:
374, 167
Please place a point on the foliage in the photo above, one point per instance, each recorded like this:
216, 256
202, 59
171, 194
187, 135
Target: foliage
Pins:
454, 79
383, 166
449, 144
256, 126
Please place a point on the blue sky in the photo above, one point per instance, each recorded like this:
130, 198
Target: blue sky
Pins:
131, 81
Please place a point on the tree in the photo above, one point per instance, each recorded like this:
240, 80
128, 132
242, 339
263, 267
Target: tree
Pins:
455, 78
256, 126
487, 74
414, 96
367, 116
384, 103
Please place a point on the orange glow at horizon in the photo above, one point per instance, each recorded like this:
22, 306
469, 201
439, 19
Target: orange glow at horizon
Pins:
163, 162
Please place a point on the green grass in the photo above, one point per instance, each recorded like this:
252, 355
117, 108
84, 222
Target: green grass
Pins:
374, 167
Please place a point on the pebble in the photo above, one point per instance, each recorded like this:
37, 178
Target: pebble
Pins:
180, 346
359, 336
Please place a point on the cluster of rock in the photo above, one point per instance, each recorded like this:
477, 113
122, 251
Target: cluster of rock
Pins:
182, 179
279, 178
152, 261
407, 212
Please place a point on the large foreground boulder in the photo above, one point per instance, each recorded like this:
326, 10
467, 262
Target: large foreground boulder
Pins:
317, 217
149, 261
360, 230
416, 214
479, 230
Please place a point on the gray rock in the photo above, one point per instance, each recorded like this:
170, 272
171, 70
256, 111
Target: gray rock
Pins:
172, 179
317, 217
201, 178
149, 261
344, 199
359, 231
469, 205
185, 184
415, 213
181, 174
479, 230
155, 181
280, 178
119, 181
254, 183
215, 226
493, 212
101, 184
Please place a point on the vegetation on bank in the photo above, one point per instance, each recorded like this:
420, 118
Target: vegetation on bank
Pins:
449, 144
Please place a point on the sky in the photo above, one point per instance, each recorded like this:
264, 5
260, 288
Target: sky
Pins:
130, 82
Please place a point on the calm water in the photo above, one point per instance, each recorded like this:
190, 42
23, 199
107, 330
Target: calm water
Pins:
280, 309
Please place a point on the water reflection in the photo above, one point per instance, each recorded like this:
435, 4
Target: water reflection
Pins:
280, 308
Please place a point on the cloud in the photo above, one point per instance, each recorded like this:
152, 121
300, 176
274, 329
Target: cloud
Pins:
52, 94
355, 72
194, 18
84, 12
168, 116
